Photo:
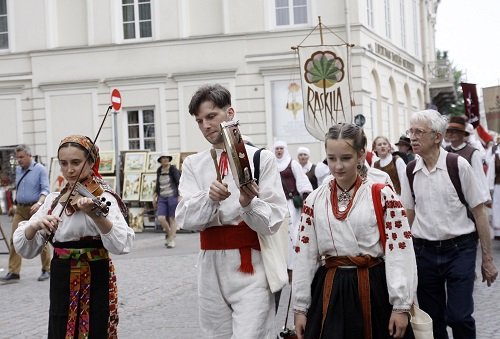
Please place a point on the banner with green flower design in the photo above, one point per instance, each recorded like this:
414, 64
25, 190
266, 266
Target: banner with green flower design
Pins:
326, 86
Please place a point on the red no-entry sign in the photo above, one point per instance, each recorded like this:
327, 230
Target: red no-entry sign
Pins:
116, 100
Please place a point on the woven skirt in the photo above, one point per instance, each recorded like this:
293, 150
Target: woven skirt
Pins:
344, 318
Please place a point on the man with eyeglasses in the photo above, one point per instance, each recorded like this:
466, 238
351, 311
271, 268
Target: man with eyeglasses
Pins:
445, 239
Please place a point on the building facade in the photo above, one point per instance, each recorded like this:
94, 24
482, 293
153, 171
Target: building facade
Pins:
60, 60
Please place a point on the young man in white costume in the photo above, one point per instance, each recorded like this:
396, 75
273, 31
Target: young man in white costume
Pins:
240, 265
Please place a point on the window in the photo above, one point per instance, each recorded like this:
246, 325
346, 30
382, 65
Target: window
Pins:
4, 34
136, 16
369, 12
141, 129
291, 12
387, 5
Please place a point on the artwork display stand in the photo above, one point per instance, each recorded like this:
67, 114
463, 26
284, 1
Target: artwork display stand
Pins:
139, 181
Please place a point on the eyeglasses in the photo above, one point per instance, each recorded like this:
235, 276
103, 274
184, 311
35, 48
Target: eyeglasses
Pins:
418, 133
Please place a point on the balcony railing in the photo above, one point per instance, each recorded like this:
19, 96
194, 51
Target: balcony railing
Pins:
441, 71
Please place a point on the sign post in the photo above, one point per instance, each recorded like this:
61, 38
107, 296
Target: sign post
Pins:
116, 102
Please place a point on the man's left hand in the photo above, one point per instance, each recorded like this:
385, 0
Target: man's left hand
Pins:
488, 271
248, 192
35, 207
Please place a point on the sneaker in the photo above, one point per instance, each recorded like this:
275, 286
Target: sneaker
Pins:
44, 276
10, 278
171, 244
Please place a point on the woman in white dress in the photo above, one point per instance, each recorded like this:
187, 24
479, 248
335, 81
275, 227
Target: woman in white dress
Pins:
83, 292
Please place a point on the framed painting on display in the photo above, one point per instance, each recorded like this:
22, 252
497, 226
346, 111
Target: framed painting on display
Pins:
107, 163
131, 186
148, 186
136, 218
153, 163
135, 162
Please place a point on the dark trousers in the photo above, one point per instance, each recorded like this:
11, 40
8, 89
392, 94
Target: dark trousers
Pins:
446, 273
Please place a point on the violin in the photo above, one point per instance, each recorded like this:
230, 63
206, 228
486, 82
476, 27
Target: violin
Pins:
88, 188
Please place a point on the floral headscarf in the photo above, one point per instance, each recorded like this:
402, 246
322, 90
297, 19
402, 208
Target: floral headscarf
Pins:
86, 143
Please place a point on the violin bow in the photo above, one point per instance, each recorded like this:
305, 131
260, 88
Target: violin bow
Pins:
51, 235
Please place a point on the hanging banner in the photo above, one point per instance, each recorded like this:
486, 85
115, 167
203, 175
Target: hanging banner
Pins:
471, 103
326, 90
491, 98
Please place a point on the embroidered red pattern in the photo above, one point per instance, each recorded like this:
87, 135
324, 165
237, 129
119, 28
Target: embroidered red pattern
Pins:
305, 239
297, 249
388, 225
398, 224
391, 247
394, 236
308, 210
393, 204
407, 234
402, 245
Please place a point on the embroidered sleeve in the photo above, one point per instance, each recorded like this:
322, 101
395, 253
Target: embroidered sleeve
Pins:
401, 268
307, 260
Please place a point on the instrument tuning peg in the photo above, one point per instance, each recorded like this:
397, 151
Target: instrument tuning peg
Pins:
108, 203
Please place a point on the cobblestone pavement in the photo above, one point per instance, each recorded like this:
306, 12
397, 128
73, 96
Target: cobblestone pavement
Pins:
157, 293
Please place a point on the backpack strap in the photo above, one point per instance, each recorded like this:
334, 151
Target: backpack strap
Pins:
256, 165
452, 167
409, 173
379, 211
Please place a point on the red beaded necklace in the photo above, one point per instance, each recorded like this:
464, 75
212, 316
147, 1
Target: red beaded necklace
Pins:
341, 215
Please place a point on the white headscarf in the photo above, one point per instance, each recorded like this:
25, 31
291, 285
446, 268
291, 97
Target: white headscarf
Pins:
303, 150
285, 159
307, 151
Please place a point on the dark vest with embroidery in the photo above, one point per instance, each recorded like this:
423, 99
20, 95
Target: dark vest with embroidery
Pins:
312, 177
392, 170
465, 152
288, 182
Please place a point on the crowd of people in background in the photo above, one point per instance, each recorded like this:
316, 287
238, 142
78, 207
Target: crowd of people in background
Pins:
368, 229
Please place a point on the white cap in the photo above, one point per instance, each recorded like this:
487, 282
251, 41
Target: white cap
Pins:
280, 143
303, 150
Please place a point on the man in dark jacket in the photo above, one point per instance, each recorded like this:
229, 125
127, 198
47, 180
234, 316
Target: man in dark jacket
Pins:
166, 197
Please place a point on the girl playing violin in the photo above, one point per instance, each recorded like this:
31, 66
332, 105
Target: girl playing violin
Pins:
82, 235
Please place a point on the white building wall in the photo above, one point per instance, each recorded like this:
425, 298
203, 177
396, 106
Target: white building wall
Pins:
57, 78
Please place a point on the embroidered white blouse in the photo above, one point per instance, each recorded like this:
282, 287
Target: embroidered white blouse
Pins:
322, 235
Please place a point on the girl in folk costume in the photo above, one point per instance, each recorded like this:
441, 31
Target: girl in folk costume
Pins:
343, 285
296, 186
392, 165
83, 294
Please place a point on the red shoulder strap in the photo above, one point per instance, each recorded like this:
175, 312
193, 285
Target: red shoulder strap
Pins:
379, 211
